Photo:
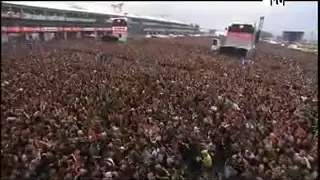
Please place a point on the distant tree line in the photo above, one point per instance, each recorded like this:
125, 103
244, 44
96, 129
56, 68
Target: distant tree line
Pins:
266, 35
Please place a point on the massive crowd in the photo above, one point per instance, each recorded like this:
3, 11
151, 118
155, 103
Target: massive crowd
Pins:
157, 109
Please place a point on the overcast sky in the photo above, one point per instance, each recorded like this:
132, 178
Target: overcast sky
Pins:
293, 16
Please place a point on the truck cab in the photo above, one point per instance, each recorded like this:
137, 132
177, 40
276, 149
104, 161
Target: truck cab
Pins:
238, 40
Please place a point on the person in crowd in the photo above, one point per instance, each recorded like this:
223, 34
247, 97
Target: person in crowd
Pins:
157, 109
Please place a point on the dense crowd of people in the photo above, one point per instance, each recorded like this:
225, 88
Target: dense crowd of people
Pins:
157, 109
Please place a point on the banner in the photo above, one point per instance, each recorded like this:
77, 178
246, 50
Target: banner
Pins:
89, 29
22, 29
30, 29
49, 29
